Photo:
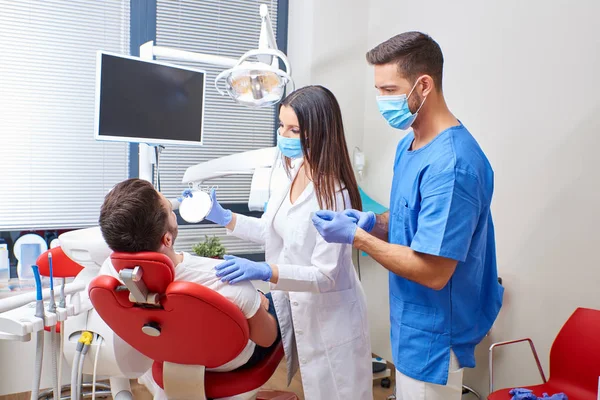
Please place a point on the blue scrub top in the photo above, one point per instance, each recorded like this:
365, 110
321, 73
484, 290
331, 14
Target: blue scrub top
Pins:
440, 205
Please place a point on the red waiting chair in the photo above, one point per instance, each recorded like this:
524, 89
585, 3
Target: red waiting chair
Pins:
184, 327
574, 360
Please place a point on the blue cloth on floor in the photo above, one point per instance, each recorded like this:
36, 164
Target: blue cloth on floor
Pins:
526, 394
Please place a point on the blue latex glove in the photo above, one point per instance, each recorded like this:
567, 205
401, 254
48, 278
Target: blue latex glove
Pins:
557, 396
235, 269
184, 194
335, 227
366, 220
218, 214
522, 394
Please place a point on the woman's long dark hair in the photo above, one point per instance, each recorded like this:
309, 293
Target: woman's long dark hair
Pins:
324, 144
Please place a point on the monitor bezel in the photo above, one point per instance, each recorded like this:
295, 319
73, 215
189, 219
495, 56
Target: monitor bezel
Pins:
148, 141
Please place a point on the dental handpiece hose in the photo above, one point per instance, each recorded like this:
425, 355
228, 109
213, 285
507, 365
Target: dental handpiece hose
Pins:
39, 351
62, 304
52, 309
52, 305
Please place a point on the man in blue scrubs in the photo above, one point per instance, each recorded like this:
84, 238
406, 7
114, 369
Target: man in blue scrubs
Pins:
437, 240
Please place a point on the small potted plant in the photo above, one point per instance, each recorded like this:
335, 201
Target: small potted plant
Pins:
211, 248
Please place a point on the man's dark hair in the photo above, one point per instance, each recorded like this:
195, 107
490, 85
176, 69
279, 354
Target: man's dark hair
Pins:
415, 53
132, 217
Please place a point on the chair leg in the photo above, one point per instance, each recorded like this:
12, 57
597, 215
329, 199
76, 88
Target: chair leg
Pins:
120, 388
467, 390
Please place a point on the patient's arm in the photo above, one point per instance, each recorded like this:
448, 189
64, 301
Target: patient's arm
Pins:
264, 302
263, 328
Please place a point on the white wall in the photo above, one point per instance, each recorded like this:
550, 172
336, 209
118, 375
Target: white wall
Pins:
327, 49
523, 78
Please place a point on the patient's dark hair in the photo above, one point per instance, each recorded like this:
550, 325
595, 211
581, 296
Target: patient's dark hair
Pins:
415, 53
132, 218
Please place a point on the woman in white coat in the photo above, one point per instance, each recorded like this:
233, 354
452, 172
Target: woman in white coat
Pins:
318, 298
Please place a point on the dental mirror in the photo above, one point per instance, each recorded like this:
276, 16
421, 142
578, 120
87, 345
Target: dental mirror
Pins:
194, 209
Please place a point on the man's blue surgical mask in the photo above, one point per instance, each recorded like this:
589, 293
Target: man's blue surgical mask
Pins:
289, 147
395, 109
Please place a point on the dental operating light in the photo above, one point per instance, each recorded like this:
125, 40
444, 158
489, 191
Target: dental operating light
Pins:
259, 83
255, 79
255, 83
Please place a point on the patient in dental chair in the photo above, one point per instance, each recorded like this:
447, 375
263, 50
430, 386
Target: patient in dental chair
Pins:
135, 217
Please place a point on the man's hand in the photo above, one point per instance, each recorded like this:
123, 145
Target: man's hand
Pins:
366, 220
335, 227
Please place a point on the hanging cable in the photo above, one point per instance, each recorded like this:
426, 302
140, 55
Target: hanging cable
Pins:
61, 327
98, 344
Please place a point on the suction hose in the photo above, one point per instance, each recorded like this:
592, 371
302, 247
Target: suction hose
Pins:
52, 309
61, 354
39, 350
74, 369
39, 358
80, 369
83, 345
57, 390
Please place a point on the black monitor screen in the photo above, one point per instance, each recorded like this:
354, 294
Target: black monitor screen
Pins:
148, 102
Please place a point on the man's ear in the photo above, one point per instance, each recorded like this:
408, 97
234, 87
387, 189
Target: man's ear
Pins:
427, 85
167, 239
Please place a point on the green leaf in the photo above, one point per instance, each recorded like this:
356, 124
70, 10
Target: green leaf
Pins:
211, 247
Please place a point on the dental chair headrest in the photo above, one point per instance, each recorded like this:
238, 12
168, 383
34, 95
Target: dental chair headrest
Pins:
157, 268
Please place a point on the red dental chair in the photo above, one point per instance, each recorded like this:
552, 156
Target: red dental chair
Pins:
574, 360
184, 327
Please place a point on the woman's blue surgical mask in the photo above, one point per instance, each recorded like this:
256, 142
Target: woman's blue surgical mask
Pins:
289, 147
395, 109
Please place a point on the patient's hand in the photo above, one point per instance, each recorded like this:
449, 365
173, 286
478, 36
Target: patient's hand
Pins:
264, 302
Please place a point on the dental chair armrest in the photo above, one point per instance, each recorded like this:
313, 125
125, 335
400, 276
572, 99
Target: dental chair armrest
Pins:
500, 344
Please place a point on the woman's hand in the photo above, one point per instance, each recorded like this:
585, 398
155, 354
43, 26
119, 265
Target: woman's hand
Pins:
235, 269
366, 220
217, 213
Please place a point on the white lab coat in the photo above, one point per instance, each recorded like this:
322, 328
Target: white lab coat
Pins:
319, 301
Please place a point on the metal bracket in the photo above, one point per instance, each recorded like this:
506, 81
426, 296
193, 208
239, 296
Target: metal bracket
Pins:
138, 292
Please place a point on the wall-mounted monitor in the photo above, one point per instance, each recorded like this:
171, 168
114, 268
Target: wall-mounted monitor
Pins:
151, 102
